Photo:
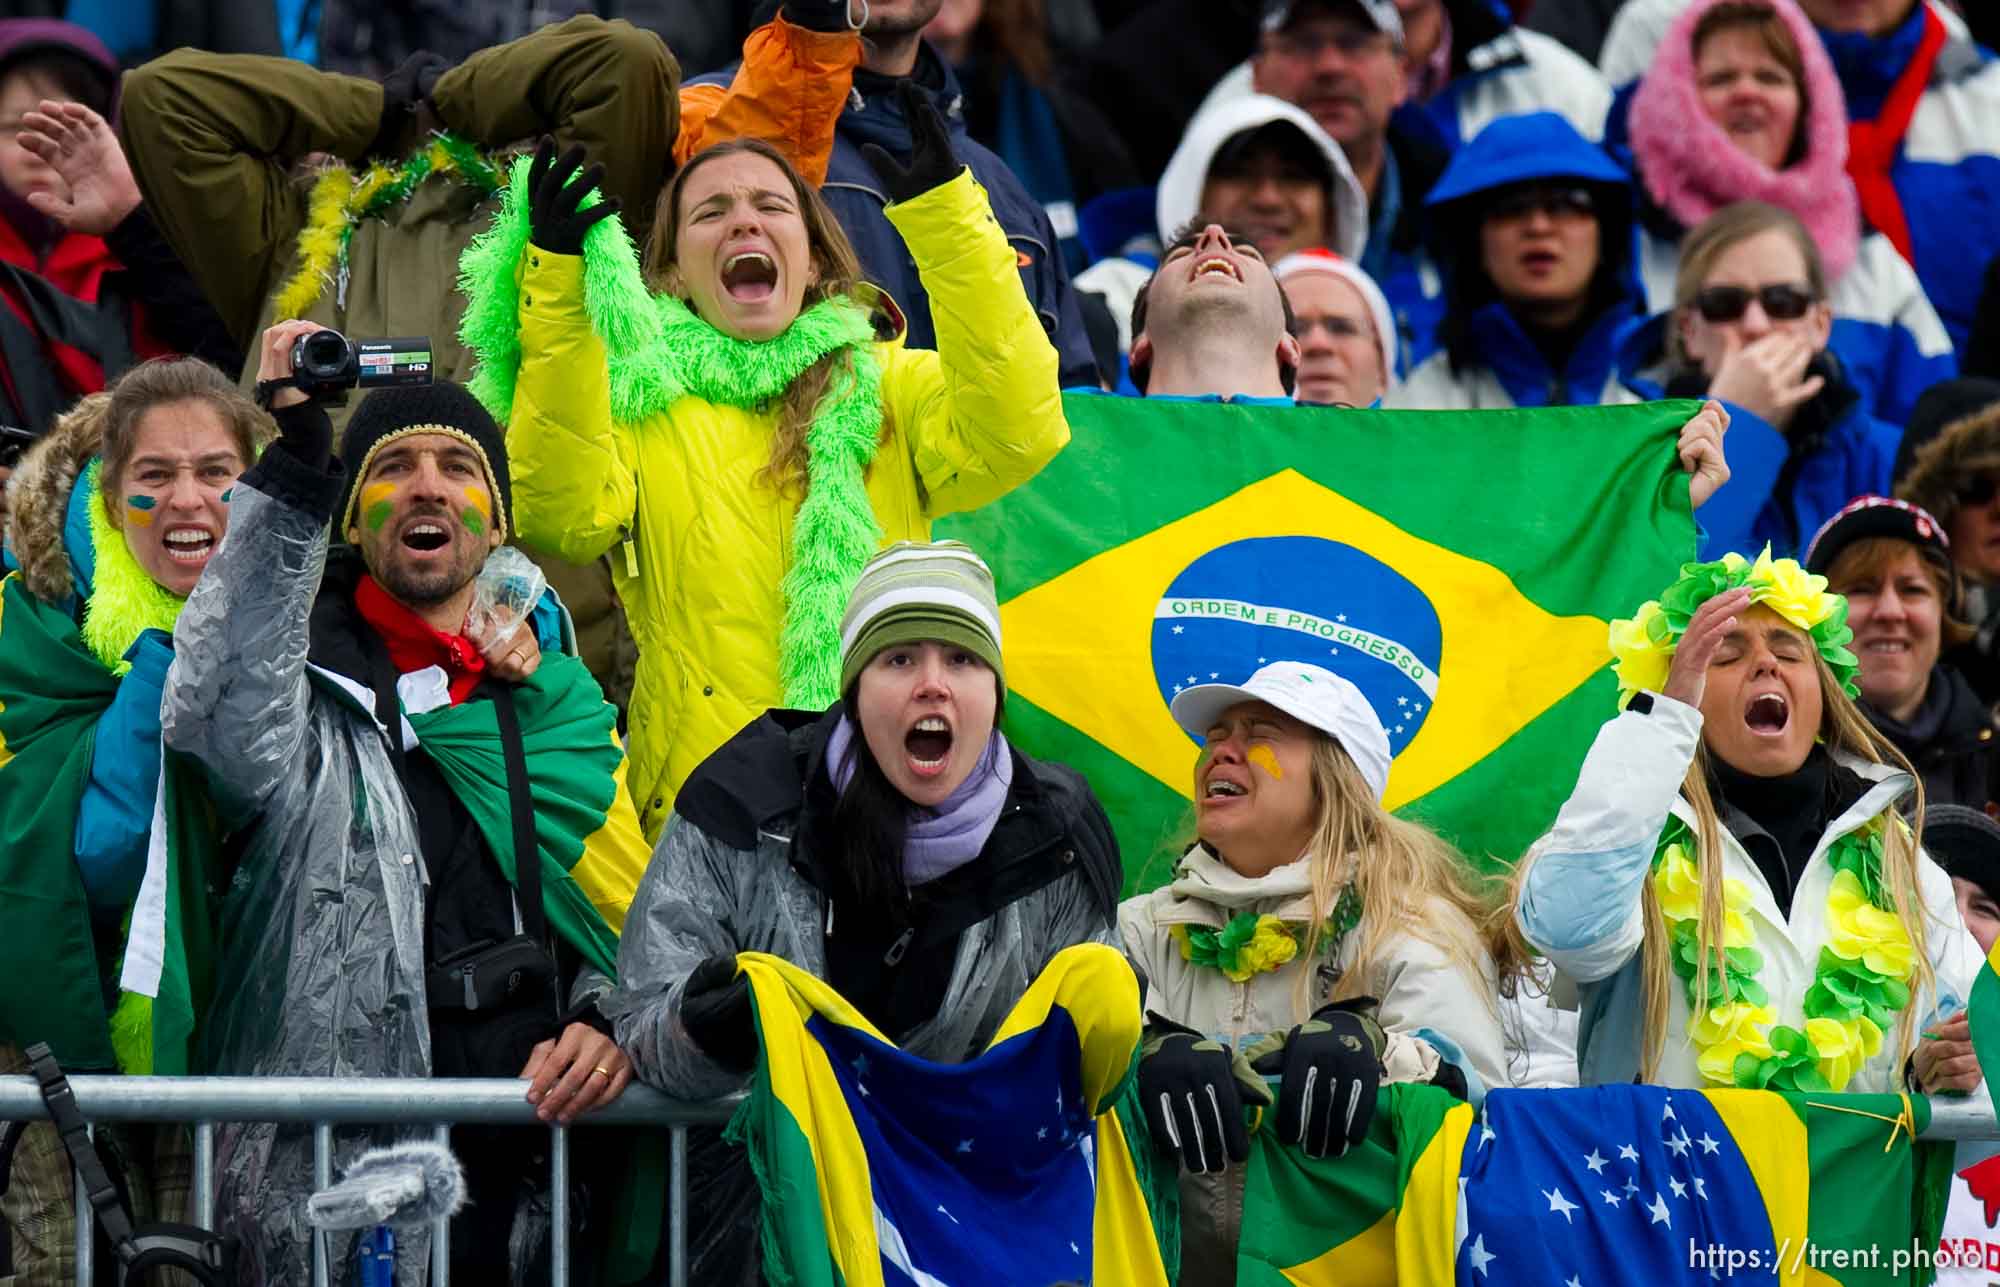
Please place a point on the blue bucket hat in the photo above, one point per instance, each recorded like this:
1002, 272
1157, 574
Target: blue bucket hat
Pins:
1524, 149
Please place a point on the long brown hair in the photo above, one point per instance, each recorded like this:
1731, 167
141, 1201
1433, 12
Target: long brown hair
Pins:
1842, 728
839, 270
1760, 19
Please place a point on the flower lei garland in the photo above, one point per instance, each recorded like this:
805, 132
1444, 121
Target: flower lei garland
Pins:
1859, 985
1249, 944
340, 200
1642, 646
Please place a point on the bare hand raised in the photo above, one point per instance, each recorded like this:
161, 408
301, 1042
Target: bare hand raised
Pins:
1700, 449
1711, 624
81, 148
1767, 376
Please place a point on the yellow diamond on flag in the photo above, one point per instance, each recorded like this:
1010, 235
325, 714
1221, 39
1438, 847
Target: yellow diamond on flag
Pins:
1082, 645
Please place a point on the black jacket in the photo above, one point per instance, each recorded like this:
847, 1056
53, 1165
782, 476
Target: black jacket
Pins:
1950, 742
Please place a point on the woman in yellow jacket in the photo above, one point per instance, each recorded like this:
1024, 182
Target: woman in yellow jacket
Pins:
742, 442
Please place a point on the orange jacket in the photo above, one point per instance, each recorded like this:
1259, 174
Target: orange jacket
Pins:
789, 91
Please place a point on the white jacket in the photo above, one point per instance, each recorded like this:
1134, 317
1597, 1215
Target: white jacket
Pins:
1580, 901
1427, 999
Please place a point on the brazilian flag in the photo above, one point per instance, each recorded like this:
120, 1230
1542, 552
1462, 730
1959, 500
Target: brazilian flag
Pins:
1462, 568
1608, 1185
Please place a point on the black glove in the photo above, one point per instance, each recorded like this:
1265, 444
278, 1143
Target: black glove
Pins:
1330, 1066
1187, 1083
556, 222
932, 161
819, 15
404, 91
715, 1010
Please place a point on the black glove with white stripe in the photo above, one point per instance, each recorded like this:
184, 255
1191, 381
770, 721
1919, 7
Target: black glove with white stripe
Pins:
1193, 1102
1330, 1067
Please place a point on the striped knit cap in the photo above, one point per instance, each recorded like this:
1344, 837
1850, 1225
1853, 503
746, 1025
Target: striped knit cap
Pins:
917, 590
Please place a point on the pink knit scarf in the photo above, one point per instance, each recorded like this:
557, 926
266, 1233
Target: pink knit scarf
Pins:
1692, 169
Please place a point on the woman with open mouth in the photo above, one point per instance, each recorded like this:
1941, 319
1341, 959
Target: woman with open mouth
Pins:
1892, 562
1308, 933
1733, 885
743, 440
894, 845
115, 512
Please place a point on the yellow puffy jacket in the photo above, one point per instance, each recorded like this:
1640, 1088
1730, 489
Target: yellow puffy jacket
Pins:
704, 546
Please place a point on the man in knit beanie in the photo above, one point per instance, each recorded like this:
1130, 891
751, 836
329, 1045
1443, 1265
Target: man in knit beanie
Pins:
439, 844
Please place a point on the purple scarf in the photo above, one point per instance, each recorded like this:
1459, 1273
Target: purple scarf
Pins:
943, 839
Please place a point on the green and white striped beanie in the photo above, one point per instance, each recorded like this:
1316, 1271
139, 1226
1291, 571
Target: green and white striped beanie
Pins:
919, 590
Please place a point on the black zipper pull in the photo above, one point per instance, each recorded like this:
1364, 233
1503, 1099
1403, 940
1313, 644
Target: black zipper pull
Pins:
900, 946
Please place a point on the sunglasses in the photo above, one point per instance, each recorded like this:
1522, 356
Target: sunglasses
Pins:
1781, 303
1553, 202
1978, 490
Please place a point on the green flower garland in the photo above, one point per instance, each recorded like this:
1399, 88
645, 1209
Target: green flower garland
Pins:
659, 351
1859, 985
1250, 944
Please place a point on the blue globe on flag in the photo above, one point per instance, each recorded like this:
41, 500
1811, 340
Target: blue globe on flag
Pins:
1302, 598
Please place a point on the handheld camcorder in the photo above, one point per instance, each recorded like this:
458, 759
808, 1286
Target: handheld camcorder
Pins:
327, 363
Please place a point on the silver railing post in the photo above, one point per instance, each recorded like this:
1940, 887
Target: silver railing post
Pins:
441, 1227
558, 1206
677, 1208
86, 1220
322, 1178
204, 1174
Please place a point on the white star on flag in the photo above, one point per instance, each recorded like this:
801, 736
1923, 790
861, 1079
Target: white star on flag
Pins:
1627, 1153
1572, 1282
1680, 1190
965, 1146
1180, 629
1481, 1257
1630, 1187
1610, 1197
1679, 1144
1660, 1213
947, 1215
1192, 679
1596, 1162
1260, 661
1042, 1134
1668, 1115
1701, 1188
1075, 1250
1402, 701
1485, 1134
1340, 616
1709, 1145
1215, 674
1557, 1202
861, 1065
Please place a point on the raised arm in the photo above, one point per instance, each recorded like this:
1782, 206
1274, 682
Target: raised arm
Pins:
237, 698
789, 90
984, 413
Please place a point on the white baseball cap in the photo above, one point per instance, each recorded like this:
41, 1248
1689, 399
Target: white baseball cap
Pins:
1311, 694
1382, 13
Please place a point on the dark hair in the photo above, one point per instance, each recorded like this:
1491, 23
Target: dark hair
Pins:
871, 818
79, 79
1469, 288
1189, 233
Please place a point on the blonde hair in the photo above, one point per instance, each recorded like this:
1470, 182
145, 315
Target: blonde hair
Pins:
1842, 728
1402, 870
1709, 240
839, 272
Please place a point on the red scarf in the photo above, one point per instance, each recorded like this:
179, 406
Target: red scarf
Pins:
1872, 145
414, 645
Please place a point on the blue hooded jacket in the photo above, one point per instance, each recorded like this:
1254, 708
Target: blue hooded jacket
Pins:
854, 192
1488, 359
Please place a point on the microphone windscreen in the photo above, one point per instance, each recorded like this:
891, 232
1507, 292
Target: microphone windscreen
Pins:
403, 1184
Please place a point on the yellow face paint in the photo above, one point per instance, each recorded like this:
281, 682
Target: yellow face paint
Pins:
139, 510
377, 503
1266, 759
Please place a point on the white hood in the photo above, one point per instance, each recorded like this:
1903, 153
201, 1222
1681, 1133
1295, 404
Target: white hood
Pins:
1179, 197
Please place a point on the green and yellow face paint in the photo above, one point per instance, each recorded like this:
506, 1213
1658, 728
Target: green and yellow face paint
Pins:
478, 512
1266, 759
139, 510
378, 502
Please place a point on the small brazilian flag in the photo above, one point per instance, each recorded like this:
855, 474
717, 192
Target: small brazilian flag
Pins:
1461, 568
1610, 1185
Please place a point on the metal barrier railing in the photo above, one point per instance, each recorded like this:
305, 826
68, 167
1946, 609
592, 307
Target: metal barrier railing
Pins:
442, 1102
324, 1103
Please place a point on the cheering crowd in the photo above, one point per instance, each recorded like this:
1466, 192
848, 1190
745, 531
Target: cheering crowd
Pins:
470, 725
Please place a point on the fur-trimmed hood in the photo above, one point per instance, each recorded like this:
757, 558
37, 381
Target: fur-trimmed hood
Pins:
1691, 169
1966, 448
38, 500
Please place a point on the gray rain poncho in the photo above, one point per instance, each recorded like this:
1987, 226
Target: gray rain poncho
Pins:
738, 869
322, 972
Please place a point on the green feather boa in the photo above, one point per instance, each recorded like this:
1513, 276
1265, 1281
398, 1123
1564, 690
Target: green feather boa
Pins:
124, 601
658, 351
